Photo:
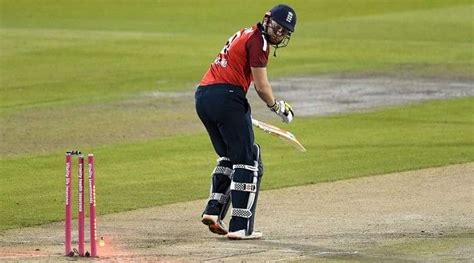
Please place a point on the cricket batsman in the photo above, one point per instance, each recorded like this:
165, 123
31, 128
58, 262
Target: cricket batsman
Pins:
222, 106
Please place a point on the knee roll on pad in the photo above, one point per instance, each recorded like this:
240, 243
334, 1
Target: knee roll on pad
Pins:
257, 154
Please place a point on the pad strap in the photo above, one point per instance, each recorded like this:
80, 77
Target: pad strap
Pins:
221, 198
223, 159
223, 170
244, 187
245, 213
246, 166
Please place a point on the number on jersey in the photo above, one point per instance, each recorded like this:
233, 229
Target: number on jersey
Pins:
222, 57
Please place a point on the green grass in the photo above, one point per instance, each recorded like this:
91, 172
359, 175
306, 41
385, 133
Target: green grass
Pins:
431, 247
78, 74
177, 169
68, 52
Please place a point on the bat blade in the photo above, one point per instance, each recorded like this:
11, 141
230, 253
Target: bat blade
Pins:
280, 133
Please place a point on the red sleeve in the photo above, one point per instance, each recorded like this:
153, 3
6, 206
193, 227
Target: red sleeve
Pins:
257, 51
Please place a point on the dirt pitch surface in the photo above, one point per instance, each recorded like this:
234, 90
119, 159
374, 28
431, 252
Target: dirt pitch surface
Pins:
424, 215
417, 215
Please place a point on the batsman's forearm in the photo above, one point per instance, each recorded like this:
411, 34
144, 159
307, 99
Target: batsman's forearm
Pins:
266, 94
262, 85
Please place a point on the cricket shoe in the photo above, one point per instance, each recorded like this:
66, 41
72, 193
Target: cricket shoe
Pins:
240, 235
214, 223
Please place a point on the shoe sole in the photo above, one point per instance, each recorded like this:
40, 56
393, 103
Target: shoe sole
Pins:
254, 235
214, 227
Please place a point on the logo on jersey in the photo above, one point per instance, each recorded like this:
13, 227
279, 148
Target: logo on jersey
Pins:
221, 62
289, 17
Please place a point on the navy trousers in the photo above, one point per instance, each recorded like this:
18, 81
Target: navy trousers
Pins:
225, 112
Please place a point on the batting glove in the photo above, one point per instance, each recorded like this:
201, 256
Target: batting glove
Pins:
283, 109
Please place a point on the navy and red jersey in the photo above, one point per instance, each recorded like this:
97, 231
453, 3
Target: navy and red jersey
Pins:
246, 48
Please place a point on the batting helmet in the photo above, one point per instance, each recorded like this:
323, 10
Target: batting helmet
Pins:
283, 15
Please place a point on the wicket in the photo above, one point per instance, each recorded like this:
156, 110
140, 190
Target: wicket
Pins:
81, 215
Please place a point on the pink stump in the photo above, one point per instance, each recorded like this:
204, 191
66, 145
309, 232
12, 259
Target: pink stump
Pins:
68, 208
92, 215
80, 216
